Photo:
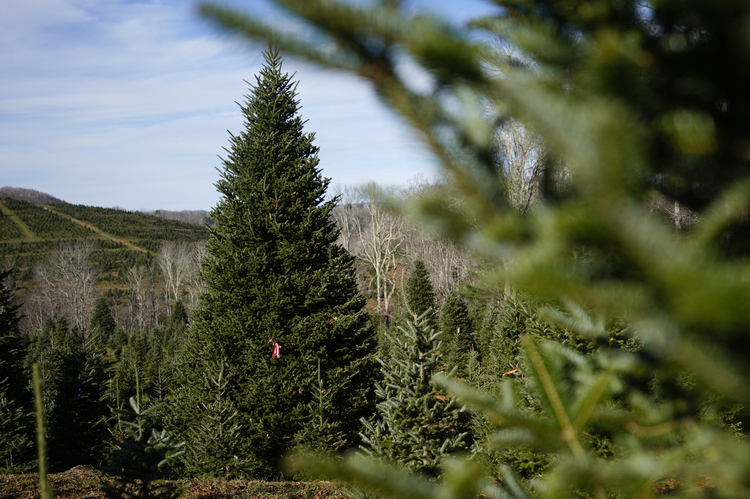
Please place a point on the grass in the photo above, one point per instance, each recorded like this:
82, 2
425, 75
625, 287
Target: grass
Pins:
85, 482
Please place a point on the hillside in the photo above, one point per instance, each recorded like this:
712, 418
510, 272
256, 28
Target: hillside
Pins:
30, 195
28, 232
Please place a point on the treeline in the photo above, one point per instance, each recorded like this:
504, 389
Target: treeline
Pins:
134, 225
29, 195
197, 217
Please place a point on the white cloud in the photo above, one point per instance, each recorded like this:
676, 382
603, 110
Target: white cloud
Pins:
127, 103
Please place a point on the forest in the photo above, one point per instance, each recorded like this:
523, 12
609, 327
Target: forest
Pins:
563, 315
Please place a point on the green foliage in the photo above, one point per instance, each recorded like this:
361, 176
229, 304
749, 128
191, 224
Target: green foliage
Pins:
15, 398
9, 230
275, 275
418, 292
134, 225
628, 99
102, 323
417, 424
321, 431
138, 455
78, 419
458, 334
216, 438
45, 223
16, 444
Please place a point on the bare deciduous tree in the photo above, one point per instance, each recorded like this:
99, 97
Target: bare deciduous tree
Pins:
174, 260
521, 164
349, 215
195, 285
67, 280
380, 240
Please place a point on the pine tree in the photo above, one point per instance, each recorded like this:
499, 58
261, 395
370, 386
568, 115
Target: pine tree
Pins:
78, 420
418, 291
138, 456
417, 423
458, 334
102, 321
275, 275
15, 398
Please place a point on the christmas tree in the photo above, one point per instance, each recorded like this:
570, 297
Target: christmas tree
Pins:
458, 334
419, 294
276, 283
418, 424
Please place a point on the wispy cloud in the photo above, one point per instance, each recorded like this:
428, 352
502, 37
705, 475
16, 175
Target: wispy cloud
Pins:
128, 103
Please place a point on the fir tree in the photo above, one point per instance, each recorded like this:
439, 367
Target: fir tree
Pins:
179, 318
419, 294
458, 334
78, 420
417, 424
102, 321
138, 456
15, 398
216, 442
275, 275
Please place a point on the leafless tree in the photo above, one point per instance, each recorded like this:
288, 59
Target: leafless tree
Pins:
174, 260
520, 158
349, 215
136, 277
195, 285
67, 281
380, 244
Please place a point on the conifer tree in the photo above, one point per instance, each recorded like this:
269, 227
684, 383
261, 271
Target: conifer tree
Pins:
140, 453
458, 333
628, 98
417, 424
274, 275
419, 294
15, 399
78, 421
102, 321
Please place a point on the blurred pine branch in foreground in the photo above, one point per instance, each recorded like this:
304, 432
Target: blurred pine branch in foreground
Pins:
628, 100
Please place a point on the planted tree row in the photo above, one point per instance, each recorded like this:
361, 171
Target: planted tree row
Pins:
45, 223
134, 225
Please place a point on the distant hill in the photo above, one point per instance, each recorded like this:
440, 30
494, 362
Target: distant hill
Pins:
189, 216
30, 195
198, 217
28, 232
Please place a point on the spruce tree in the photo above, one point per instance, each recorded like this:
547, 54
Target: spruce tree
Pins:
419, 294
417, 424
102, 321
458, 334
78, 422
15, 399
275, 275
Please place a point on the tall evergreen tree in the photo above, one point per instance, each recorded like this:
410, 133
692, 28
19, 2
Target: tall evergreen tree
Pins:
275, 275
79, 416
15, 399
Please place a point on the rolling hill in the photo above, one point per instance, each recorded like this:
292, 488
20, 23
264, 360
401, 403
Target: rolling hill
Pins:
29, 231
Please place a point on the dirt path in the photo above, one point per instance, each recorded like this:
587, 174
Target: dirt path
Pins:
24, 228
95, 229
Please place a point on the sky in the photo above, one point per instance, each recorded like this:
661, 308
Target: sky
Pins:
128, 103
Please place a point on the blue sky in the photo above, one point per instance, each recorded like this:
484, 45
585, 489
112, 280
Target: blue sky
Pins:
127, 103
